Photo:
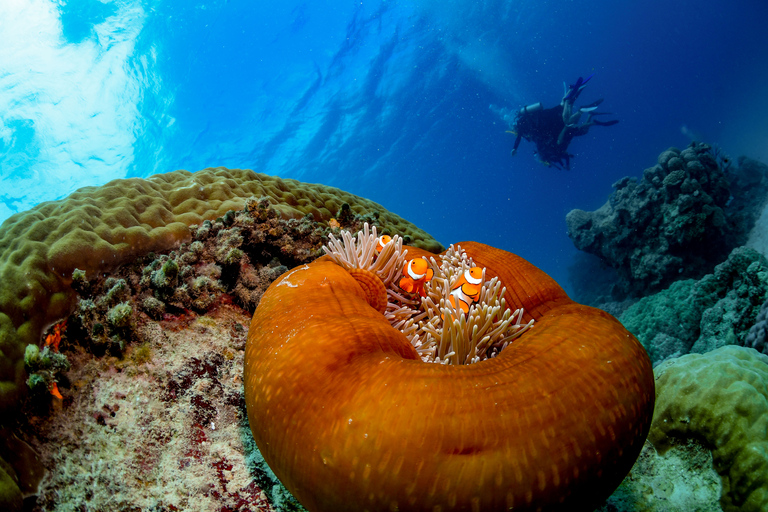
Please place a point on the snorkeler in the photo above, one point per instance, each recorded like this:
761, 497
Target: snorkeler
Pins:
553, 129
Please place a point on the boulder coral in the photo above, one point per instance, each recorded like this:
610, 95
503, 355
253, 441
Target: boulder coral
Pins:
350, 417
96, 229
698, 316
670, 225
721, 399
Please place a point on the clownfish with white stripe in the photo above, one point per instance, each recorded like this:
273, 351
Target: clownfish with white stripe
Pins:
381, 242
466, 291
416, 273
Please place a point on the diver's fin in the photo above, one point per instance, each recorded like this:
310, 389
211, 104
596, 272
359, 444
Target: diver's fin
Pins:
605, 123
572, 91
592, 106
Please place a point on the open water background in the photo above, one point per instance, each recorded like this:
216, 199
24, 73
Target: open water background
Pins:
397, 101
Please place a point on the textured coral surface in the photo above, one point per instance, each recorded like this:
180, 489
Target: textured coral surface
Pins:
161, 429
698, 316
672, 224
98, 228
721, 399
153, 414
232, 257
682, 479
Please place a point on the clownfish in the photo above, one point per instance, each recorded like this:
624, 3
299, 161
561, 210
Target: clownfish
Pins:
381, 242
416, 273
466, 291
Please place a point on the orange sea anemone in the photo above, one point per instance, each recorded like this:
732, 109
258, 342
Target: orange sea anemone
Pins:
350, 418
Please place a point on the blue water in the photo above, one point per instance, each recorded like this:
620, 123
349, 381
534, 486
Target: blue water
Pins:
396, 101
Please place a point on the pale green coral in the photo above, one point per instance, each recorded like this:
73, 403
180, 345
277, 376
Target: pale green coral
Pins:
165, 278
119, 317
720, 398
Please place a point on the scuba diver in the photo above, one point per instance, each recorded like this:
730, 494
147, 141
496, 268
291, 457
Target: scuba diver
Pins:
553, 129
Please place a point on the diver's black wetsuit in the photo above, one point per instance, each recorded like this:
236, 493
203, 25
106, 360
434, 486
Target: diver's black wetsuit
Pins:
547, 128
543, 127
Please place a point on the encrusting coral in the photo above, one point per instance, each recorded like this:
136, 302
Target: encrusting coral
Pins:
156, 346
699, 316
96, 229
350, 417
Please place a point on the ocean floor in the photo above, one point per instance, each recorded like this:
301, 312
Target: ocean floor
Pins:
152, 415
162, 429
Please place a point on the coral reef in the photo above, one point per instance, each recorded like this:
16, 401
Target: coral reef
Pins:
232, 259
719, 398
680, 220
173, 322
163, 428
97, 229
698, 316
682, 479
150, 373
350, 418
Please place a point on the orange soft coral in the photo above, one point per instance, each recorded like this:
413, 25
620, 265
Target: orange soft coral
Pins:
350, 418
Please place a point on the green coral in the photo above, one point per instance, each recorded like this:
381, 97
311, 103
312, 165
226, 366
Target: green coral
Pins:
44, 367
167, 276
79, 281
153, 307
119, 317
720, 398
116, 291
697, 316
228, 243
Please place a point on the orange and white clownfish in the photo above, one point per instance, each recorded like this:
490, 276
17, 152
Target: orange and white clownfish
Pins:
466, 291
416, 273
381, 242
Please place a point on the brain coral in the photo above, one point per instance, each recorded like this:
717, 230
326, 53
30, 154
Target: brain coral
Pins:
669, 225
98, 228
720, 398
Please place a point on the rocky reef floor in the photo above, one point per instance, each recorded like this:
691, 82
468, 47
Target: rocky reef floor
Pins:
163, 429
